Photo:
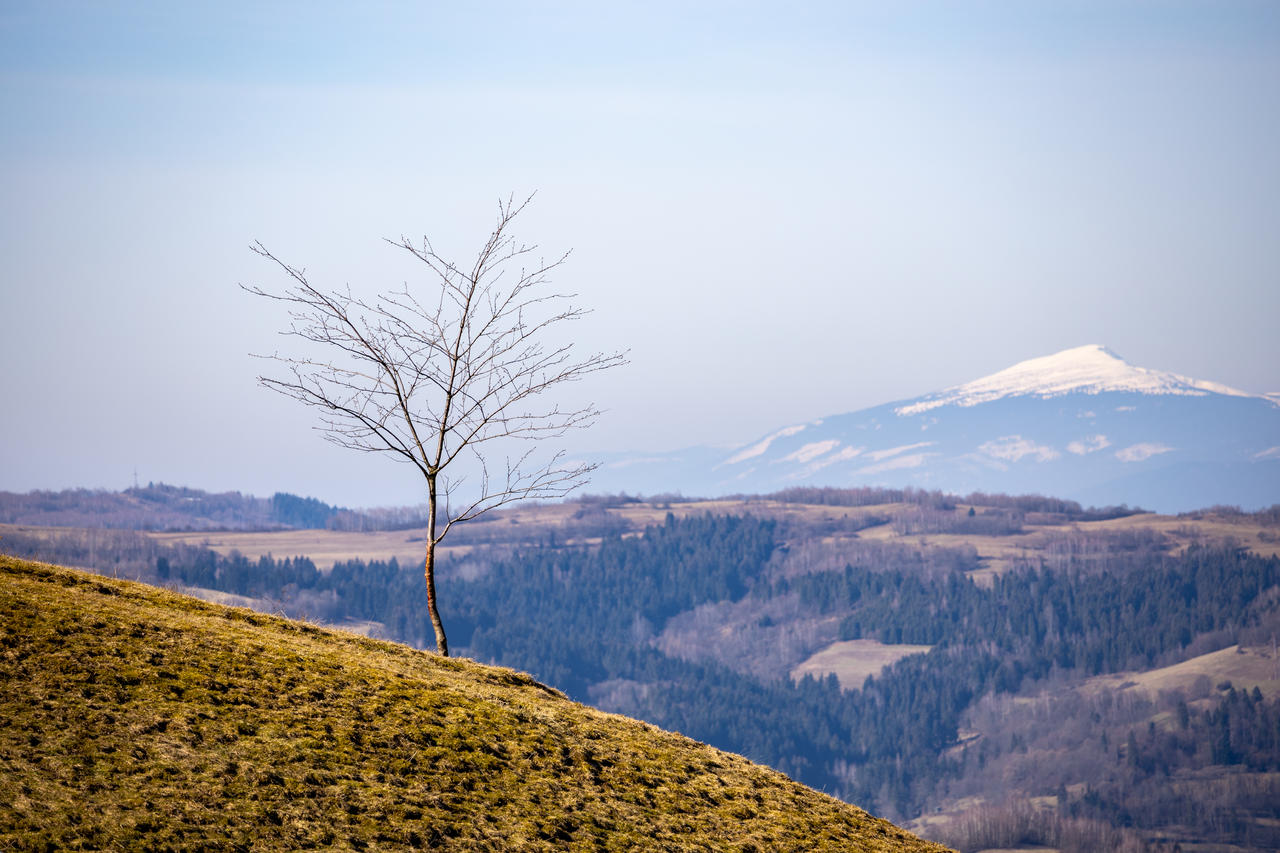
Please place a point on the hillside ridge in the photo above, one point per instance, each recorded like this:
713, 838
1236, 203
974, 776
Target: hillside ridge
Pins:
138, 717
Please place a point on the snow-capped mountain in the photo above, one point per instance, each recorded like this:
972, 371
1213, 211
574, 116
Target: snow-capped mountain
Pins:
1082, 424
1084, 370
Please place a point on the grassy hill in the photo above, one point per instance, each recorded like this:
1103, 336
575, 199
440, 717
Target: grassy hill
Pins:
136, 718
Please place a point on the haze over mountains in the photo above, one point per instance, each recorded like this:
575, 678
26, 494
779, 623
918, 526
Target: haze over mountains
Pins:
1082, 424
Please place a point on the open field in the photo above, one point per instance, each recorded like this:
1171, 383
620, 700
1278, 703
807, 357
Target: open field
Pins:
998, 553
1261, 540
995, 553
1245, 667
324, 547
851, 661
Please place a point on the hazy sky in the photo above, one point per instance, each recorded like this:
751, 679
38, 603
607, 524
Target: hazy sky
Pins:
784, 211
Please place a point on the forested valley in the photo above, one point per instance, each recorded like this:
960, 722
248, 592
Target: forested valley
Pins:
695, 621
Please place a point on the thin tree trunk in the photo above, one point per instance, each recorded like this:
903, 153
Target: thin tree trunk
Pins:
442, 644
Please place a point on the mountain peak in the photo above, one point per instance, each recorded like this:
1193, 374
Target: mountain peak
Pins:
1090, 369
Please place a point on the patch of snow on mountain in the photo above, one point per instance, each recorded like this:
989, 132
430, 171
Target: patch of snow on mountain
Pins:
877, 455
1142, 452
1012, 448
1091, 444
761, 446
844, 455
1089, 369
847, 453
811, 451
912, 460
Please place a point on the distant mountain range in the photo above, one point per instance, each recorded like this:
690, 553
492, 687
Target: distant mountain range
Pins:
1082, 424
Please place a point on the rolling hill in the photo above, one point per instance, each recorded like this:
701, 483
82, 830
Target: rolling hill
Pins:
134, 717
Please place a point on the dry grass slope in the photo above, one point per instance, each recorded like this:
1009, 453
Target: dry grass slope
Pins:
134, 718
851, 661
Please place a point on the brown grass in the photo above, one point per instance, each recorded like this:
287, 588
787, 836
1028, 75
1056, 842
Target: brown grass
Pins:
1245, 667
135, 718
851, 661
324, 547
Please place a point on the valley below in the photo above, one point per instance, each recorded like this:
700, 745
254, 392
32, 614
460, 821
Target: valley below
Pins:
992, 672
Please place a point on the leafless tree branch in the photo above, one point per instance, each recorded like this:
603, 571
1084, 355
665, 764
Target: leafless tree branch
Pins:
438, 372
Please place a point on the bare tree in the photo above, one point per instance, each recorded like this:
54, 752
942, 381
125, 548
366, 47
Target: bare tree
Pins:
451, 370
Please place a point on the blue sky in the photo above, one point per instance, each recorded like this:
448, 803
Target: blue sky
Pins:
783, 212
